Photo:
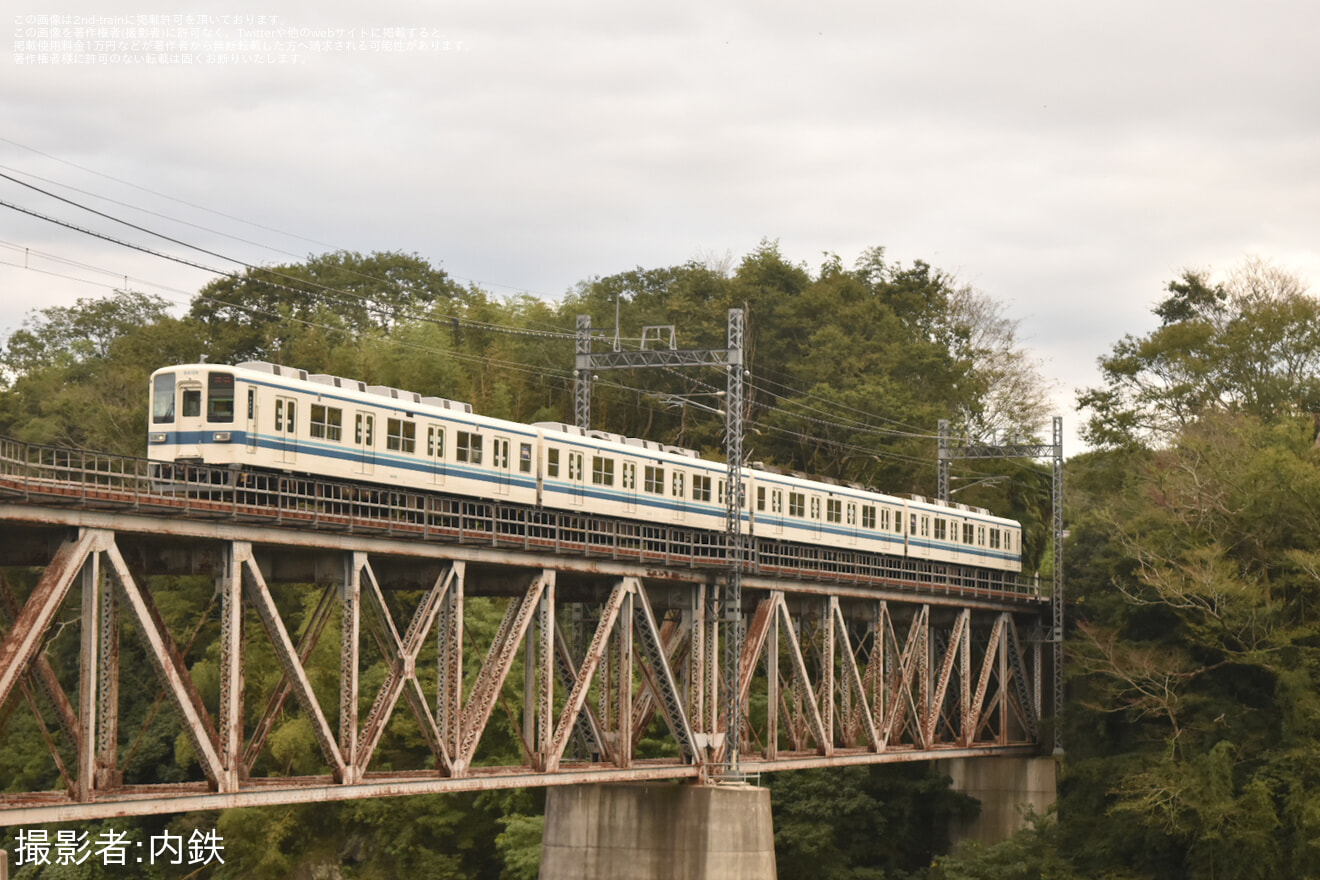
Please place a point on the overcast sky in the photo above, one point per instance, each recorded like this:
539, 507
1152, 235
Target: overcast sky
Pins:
1068, 159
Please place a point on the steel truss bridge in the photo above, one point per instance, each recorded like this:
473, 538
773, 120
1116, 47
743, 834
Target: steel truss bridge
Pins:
383, 618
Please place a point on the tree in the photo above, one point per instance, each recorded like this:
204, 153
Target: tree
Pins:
1248, 344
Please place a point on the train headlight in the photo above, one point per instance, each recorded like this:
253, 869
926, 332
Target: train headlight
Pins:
220, 436
156, 438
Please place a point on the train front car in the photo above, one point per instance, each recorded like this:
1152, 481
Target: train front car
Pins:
192, 421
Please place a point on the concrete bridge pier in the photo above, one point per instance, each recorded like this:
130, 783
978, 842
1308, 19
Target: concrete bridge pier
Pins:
658, 832
1006, 787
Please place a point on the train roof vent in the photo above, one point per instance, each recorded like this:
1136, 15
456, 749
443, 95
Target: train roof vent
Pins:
274, 370
446, 403
679, 450
961, 506
395, 393
606, 435
922, 498
645, 444
337, 381
560, 426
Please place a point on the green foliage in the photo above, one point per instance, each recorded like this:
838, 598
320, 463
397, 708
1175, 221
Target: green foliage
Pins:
859, 823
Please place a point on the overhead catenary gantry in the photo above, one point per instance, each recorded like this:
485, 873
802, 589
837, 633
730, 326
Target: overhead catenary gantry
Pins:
589, 362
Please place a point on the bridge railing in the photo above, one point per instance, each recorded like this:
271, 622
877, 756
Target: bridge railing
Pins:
36, 473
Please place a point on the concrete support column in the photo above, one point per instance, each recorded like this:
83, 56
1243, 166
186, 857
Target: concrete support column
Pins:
658, 832
1005, 787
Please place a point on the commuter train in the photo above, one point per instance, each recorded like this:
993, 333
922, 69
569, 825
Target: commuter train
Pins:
262, 416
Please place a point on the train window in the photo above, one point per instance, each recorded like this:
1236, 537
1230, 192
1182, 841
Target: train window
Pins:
327, 422
994, 539
252, 403
279, 413
602, 470
400, 435
552, 462
192, 403
653, 479
435, 442
468, 447
941, 531
700, 487
162, 399
912, 525
868, 516
797, 504
525, 458
720, 486
833, 510
969, 533
220, 397
678, 484
760, 497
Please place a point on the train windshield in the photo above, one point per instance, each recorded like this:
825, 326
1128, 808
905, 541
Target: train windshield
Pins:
162, 399
220, 397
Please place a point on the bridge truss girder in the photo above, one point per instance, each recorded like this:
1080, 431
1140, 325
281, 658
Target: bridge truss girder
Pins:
827, 675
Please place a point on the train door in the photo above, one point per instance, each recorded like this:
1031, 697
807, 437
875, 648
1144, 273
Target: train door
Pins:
815, 516
576, 479
678, 495
435, 453
251, 433
286, 424
499, 460
777, 511
628, 482
850, 521
364, 439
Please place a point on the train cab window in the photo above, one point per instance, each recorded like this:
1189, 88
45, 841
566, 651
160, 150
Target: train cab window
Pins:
868, 516
700, 487
940, 528
912, 525
525, 458
220, 397
653, 480
192, 402
162, 399
252, 403
678, 485
602, 470
833, 510
552, 462
435, 442
279, 414
327, 422
468, 447
400, 435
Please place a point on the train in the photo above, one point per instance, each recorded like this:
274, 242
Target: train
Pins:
259, 416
